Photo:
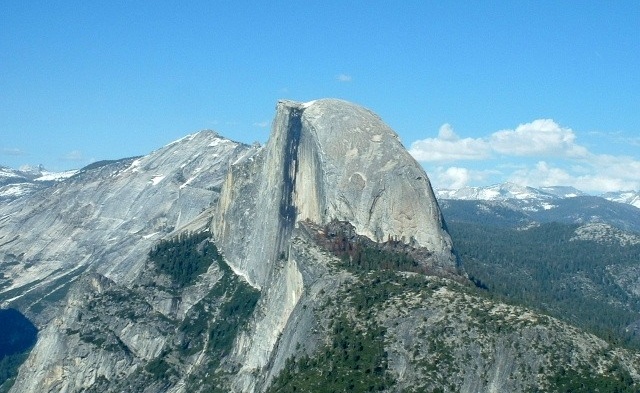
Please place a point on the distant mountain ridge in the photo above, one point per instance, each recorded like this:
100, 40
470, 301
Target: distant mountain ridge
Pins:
319, 262
573, 255
511, 191
510, 204
629, 197
17, 183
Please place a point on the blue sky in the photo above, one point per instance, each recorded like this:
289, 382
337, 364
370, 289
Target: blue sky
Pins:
537, 92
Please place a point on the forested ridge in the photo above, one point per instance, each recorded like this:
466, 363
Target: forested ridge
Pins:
185, 257
545, 268
355, 356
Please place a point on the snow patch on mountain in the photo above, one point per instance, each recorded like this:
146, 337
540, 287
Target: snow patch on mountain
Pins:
498, 192
157, 179
537, 198
55, 176
630, 197
16, 190
18, 183
563, 191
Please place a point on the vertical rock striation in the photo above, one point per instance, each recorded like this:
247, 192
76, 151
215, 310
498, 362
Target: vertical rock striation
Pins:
325, 160
74, 256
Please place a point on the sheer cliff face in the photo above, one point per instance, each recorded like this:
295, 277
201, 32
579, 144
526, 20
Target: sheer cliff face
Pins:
78, 250
326, 160
75, 257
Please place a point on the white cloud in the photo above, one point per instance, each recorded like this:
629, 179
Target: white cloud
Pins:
600, 184
457, 177
449, 147
597, 174
560, 159
618, 137
542, 174
611, 173
344, 78
542, 137
446, 133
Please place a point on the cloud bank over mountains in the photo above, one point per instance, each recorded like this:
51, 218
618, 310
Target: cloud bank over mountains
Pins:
539, 153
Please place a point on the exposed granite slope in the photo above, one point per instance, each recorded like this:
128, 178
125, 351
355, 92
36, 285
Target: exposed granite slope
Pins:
333, 179
325, 160
65, 250
108, 217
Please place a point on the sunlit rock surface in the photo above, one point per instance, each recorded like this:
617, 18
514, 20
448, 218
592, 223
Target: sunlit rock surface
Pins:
326, 160
102, 222
74, 258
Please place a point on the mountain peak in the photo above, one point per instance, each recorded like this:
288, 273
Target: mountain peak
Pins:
327, 160
497, 192
143, 268
510, 191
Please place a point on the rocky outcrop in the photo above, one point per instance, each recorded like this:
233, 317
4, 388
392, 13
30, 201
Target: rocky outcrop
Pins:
98, 226
108, 217
335, 253
325, 160
439, 335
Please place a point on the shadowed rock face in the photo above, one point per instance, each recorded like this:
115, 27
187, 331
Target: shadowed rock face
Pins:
327, 160
90, 235
75, 257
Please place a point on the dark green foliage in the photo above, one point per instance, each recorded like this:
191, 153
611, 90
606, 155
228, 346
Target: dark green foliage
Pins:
233, 315
354, 361
486, 213
617, 380
185, 257
378, 286
517, 213
362, 258
542, 269
9, 369
237, 301
194, 327
354, 358
159, 368
211, 325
